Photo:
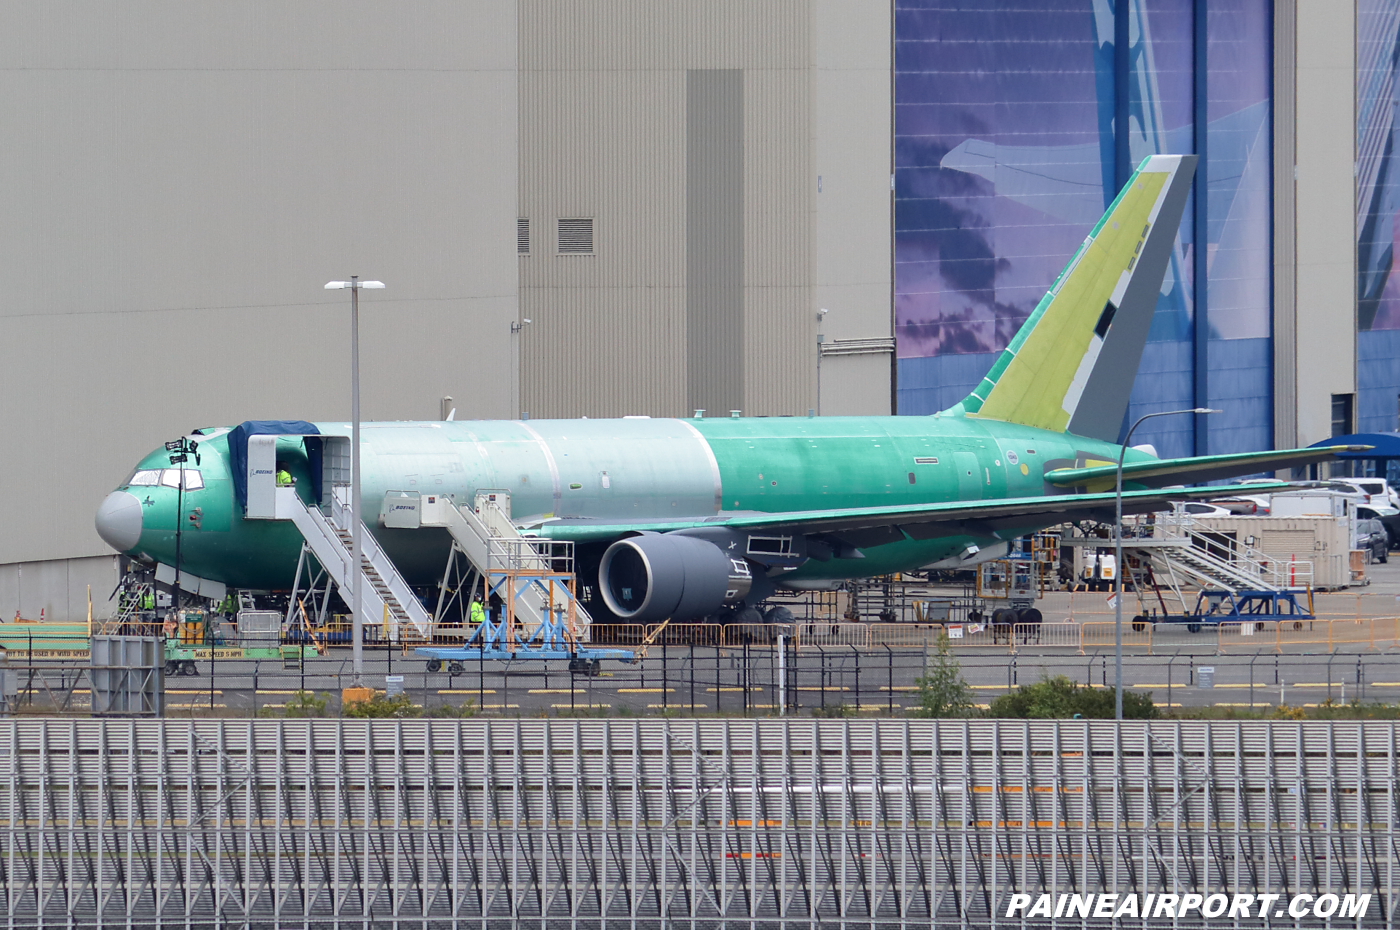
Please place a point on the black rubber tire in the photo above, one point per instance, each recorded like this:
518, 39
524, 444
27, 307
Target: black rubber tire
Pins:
1193, 628
172, 668
434, 665
1139, 623
455, 668
747, 615
1030, 615
188, 670
778, 615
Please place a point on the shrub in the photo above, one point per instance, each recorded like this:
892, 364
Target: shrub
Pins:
468, 708
943, 692
305, 704
1059, 698
380, 706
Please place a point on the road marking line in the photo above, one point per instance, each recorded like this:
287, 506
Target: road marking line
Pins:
557, 691
713, 690
195, 691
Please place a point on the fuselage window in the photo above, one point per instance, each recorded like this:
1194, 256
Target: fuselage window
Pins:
146, 478
170, 478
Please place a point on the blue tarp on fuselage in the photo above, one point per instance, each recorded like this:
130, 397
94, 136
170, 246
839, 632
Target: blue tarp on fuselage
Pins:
238, 451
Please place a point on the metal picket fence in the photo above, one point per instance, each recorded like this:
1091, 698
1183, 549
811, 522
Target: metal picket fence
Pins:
686, 824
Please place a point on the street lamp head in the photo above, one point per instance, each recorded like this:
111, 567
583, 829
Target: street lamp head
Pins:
341, 285
1206, 410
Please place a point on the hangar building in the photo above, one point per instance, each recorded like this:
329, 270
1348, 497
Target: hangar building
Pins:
670, 194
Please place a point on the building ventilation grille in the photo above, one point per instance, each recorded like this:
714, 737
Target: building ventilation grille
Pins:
522, 236
576, 236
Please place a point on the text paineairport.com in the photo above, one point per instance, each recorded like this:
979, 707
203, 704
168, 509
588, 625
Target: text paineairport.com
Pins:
1151, 906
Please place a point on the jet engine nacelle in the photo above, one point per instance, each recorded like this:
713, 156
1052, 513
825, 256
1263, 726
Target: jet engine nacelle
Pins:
651, 577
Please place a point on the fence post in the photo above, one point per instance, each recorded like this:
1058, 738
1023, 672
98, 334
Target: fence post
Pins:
856, 652
890, 653
692, 677
665, 681
782, 675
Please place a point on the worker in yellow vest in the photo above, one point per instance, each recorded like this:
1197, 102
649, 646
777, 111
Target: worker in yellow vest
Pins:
478, 612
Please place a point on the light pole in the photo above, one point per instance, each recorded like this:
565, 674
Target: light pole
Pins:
179, 451
1118, 556
515, 330
356, 541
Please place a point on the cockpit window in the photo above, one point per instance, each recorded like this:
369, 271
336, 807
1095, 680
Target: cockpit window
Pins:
170, 478
146, 477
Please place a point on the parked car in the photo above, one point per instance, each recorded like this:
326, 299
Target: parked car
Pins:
1371, 535
1202, 509
1246, 505
1378, 489
1389, 517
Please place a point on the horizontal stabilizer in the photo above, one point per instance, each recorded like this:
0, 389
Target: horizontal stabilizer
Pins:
1160, 473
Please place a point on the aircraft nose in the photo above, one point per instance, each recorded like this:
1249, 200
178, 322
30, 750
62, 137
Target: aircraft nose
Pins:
119, 520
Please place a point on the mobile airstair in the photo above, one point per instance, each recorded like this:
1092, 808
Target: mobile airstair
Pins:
531, 575
531, 578
384, 593
1175, 552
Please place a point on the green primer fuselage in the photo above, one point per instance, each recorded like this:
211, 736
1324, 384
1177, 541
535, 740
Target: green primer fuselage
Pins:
585, 478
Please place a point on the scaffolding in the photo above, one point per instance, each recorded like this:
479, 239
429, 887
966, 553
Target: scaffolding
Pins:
662, 823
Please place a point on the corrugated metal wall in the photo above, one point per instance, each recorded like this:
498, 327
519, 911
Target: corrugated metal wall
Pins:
603, 133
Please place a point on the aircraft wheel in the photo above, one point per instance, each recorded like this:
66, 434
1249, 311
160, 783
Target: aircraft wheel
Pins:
188, 669
778, 615
1193, 628
434, 665
747, 615
455, 668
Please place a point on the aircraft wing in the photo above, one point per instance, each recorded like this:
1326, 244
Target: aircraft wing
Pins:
860, 527
1163, 472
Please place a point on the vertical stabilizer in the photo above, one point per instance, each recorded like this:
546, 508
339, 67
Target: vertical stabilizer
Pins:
1071, 366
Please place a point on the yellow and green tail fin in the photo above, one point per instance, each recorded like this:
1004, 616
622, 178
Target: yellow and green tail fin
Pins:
1071, 366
